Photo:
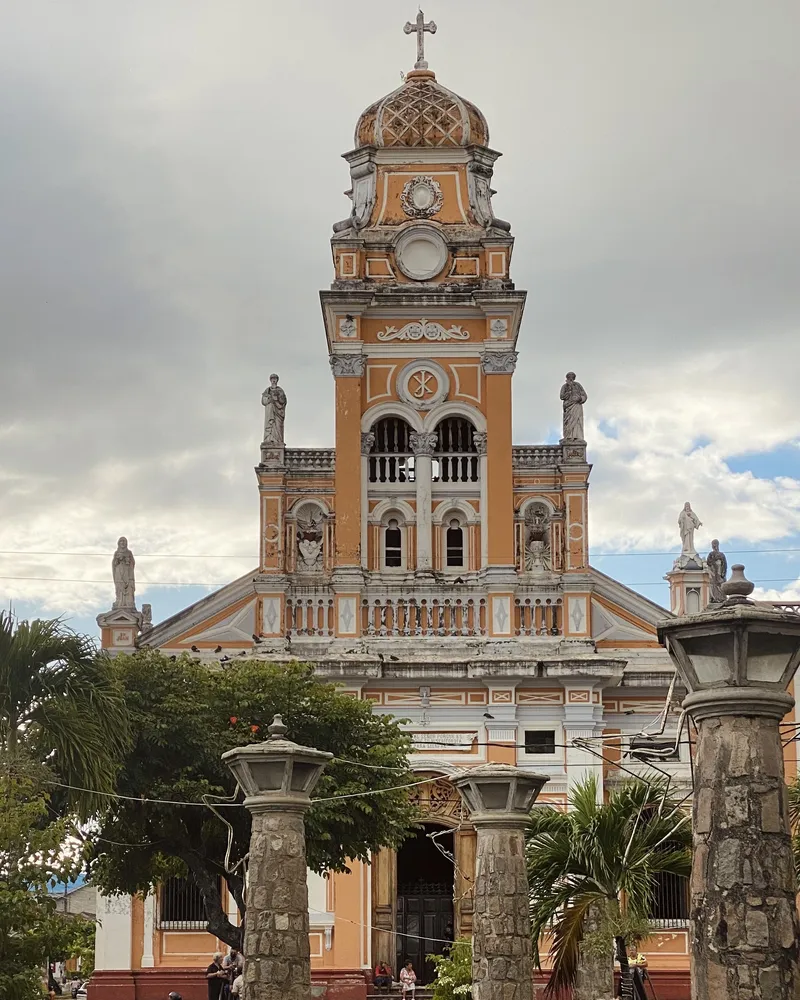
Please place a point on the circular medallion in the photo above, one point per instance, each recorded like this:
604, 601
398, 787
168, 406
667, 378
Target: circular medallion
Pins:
421, 197
421, 253
423, 384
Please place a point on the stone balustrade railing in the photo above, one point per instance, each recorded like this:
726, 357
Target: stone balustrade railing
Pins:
539, 616
310, 459
537, 456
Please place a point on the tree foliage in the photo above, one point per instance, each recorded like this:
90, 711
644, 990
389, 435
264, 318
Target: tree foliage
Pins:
60, 703
32, 853
453, 972
183, 716
603, 857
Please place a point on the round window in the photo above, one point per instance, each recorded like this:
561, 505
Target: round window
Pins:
421, 253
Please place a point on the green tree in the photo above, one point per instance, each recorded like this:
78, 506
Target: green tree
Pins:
60, 703
597, 864
453, 972
31, 854
183, 717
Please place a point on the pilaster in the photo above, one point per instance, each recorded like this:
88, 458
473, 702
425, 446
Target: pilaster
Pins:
498, 368
348, 370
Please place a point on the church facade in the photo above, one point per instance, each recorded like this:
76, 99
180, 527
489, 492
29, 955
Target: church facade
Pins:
427, 562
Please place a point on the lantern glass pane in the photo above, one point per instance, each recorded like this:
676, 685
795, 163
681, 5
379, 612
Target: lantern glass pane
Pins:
768, 654
712, 657
268, 774
302, 774
494, 794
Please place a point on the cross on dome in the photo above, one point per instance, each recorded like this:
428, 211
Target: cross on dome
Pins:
420, 26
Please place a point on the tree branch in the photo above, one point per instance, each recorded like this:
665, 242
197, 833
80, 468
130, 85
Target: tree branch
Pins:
208, 883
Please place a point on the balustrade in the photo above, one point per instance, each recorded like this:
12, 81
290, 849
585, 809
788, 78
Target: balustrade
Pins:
538, 616
306, 616
437, 616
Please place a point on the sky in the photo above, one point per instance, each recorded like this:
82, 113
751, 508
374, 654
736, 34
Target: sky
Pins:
169, 177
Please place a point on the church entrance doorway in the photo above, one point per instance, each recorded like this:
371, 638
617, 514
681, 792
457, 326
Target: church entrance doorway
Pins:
425, 885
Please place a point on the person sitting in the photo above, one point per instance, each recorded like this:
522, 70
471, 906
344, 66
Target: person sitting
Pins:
383, 976
408, 979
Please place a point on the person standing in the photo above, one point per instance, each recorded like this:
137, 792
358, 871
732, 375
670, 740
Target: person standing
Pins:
232, 964
216, 976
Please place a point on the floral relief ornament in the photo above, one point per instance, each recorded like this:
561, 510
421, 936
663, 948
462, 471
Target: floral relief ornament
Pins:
423, 330
421, 197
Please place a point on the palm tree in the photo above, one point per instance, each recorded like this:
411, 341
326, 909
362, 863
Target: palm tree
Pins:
595, 867
61, 704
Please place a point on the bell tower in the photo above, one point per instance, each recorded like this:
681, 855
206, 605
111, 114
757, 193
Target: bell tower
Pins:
421, 324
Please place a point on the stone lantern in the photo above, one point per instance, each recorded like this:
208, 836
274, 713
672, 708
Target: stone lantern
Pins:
277, 777
500, 798
736, 661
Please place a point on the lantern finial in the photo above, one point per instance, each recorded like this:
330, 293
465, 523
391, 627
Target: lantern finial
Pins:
277, 730
738, 588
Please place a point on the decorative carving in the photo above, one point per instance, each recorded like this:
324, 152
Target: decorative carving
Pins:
480, 438
499, 363
423, 385
439, 798
122, 569
273, 399
347, 328
498, 328
367, 442
688, 523
573, 396
537, 539
479, 180
421, 197
718, 568
423, 442
423, 330
363, 175
344, 365
309, 538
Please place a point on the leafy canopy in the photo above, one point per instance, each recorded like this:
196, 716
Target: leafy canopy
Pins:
31, 855
183, 716
453, 972
60, 702
595, 855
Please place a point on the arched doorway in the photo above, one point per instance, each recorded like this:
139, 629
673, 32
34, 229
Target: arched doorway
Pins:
425, 888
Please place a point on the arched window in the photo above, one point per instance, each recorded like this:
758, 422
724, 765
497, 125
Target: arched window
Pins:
454, 543
390, 458
456, 456
393, 545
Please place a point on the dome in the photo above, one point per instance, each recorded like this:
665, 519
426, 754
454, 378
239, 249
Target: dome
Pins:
422, 113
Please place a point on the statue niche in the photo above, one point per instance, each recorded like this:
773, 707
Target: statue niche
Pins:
536, 534
310, 539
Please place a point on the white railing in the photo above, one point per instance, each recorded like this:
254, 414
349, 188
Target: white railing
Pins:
538, 616
537, 456
307, 616
434, 616
310, 459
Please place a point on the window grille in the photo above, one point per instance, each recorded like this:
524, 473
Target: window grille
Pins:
181, 905
456, 457
390, 459
669, 905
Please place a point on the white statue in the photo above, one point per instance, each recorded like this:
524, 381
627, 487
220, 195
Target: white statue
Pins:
310, 550
688, 522
309, 538
273, 400
573, 395
537, 548
122, 567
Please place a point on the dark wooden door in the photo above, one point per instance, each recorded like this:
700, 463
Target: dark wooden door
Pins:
424, 922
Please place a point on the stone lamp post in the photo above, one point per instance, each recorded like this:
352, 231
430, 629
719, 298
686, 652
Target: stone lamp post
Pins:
500, 798
277, 777
736, 661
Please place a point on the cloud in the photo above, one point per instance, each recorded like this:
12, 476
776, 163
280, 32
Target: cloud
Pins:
169, 178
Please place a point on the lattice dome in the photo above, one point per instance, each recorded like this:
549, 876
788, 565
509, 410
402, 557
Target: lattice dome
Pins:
422, 113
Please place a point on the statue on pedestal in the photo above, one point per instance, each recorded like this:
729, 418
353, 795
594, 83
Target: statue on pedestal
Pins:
573, 396
688, 523
273, 399
718, 569
122, 569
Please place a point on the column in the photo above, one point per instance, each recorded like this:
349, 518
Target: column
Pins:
480, 438
736, 662
148, 959
348, 370
277, 777
367, 443
498, 368
423, 445
499, 798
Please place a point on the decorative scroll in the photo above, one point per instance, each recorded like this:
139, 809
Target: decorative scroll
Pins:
423, 330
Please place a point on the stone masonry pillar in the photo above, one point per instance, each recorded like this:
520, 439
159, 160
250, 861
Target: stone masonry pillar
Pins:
500, 798
736, 660
743, 881
277, 777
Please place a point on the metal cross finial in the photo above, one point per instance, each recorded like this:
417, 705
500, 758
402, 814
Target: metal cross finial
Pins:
420, 26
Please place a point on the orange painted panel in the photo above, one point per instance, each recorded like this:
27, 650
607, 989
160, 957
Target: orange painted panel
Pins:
500, 494
348, 471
